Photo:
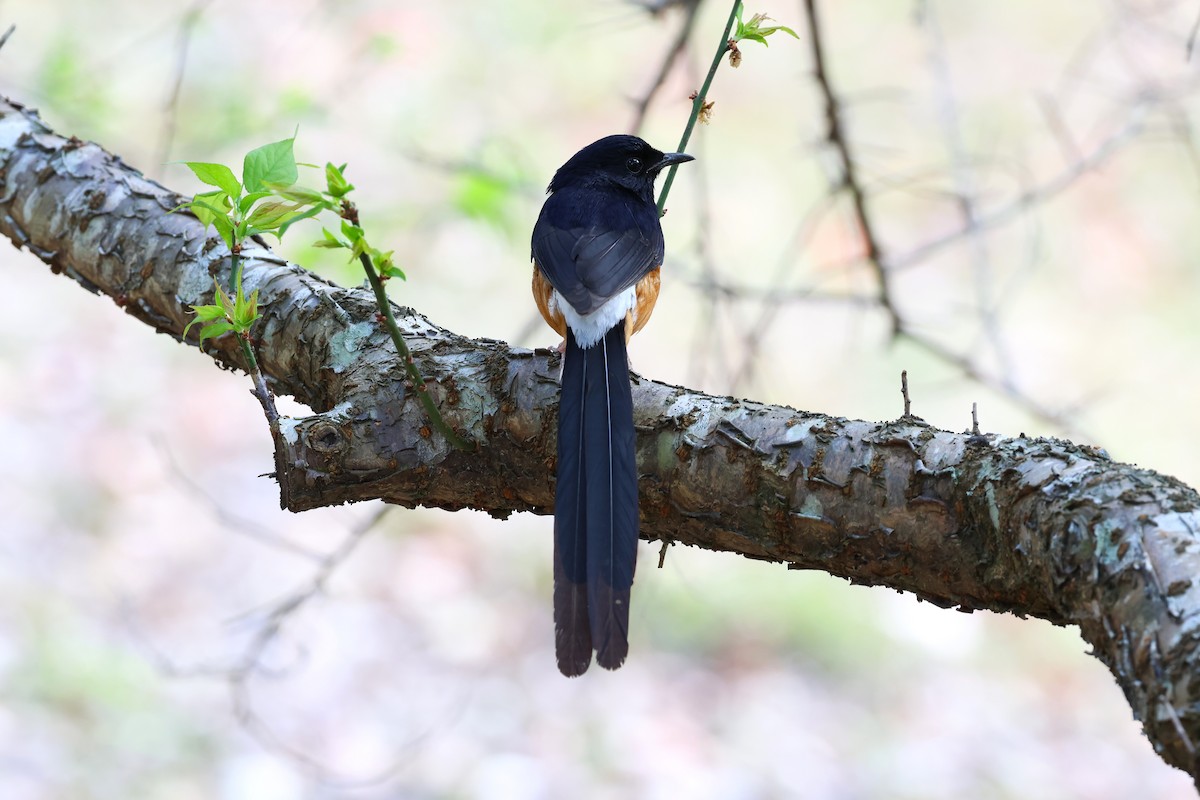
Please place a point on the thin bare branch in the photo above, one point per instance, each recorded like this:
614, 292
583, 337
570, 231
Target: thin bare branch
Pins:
964, 192
836, 136
228, 519
170, 120
674, 50
1037, 195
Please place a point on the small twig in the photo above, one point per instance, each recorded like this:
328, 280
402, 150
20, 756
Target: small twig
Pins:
698, 104
414, 374
971, 370
904, 393
261, 391
1181, 126
775, 298
656, 7
963, 175
267, 401
709, 341
251, 662
1058, 128
265, 398
835, 134
662, 554
7, 33
187, 27
1191, 40
223, 512
673, 52
1035, 196
977, 437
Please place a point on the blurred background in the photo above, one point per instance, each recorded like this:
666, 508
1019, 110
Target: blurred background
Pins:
1030, 175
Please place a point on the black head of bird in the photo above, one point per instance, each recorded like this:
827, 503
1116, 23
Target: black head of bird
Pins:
621, 161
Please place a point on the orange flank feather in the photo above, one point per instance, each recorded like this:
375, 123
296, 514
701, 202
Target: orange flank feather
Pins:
542, 294
646, 294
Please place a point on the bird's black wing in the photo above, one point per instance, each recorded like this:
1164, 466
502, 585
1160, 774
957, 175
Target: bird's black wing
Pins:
591, 260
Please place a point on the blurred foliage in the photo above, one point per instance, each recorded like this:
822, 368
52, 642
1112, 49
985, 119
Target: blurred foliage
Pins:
483, 196
67, 84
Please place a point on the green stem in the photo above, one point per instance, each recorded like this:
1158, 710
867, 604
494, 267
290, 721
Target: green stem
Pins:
698, 104
235, 273
267, 401
414, 374
260, 384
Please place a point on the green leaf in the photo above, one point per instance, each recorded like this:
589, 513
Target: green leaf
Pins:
329, 240
207, 205
227, 304
212, 208
352, 232
303, 196
214, 329
311, 212
188, 327
250, 199
208, 313
784, 28
217, 175
393, 271
224, 226
387, 268
756, 31
272, 213
335, 179
204, 314
246, 311
270, 165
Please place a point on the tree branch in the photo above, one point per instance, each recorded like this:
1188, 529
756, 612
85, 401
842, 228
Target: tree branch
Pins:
1037, 527
676, 48
835, 134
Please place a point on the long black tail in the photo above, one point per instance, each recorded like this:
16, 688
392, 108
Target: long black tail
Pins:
595, 506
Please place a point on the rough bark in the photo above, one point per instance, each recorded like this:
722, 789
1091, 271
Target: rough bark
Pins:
1037, 527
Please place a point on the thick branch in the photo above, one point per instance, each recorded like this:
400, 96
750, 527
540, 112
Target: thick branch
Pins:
1039, 527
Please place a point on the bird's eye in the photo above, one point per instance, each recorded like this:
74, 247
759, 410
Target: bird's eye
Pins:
634, 165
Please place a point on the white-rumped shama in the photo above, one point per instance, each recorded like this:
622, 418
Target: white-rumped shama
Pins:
597, 251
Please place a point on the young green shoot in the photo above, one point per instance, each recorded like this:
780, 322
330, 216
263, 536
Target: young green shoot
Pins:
756, 31
268, 200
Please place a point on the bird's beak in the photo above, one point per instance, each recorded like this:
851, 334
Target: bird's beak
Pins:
671, 159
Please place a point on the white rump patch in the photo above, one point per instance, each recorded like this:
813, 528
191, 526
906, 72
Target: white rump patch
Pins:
590, 328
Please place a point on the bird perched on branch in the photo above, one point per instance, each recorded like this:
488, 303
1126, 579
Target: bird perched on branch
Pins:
597, 250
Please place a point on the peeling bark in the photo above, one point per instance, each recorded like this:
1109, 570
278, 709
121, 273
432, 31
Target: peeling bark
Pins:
1038, 527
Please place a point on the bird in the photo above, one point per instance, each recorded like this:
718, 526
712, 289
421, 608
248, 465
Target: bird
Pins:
597, 251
